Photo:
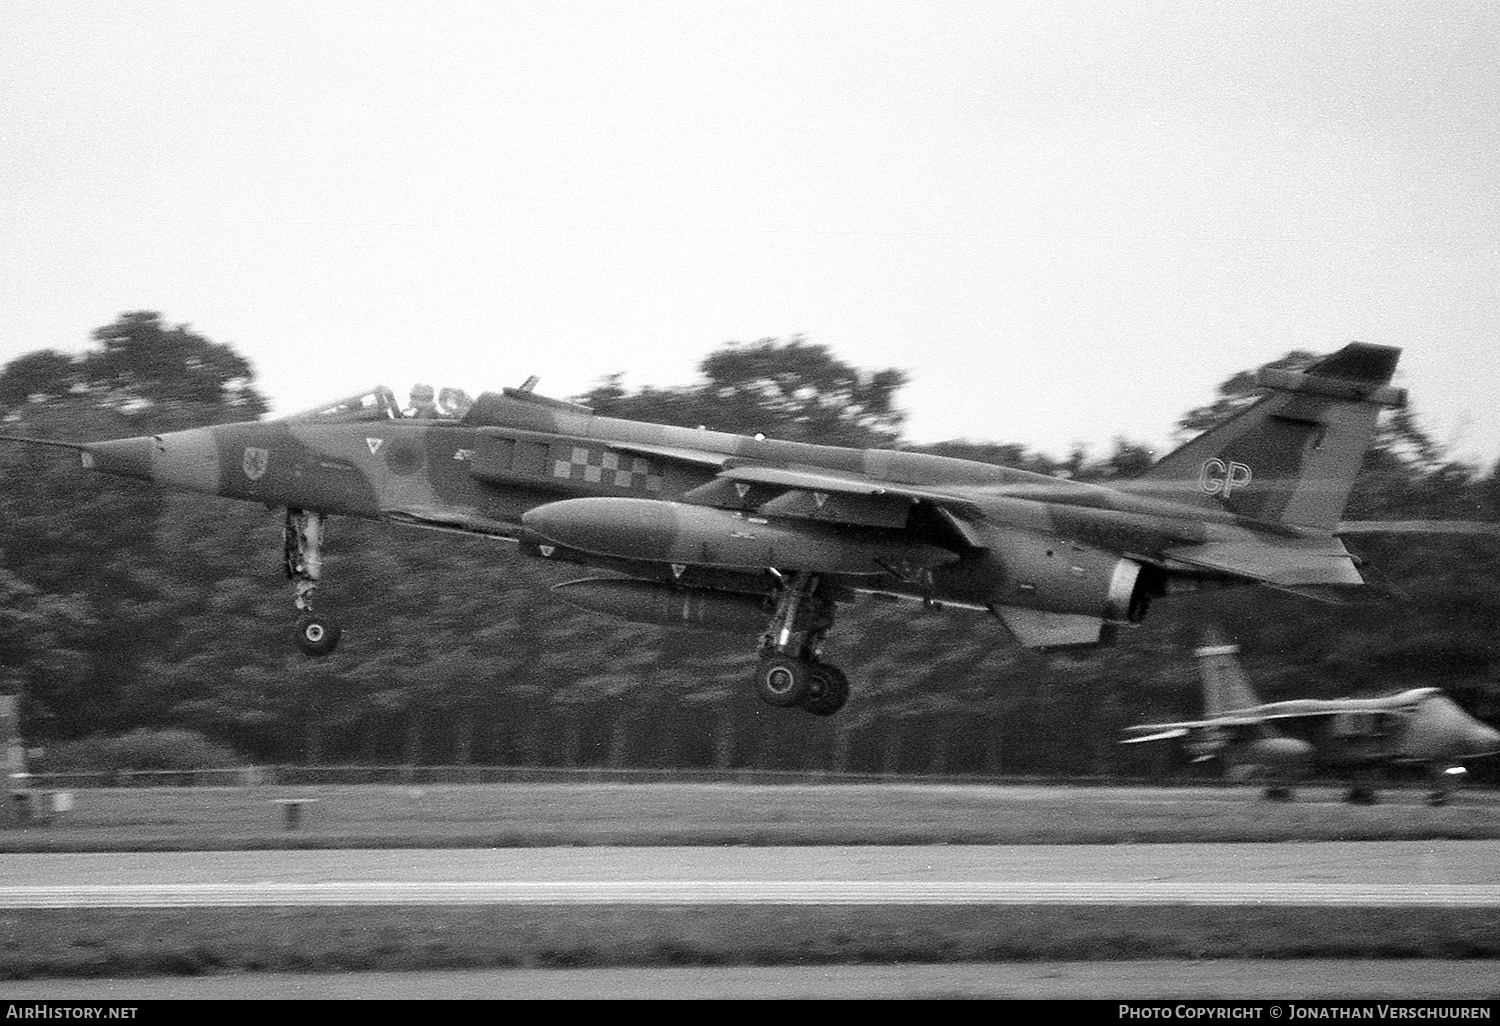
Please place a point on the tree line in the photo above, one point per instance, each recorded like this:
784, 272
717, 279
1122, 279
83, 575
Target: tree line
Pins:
124, 607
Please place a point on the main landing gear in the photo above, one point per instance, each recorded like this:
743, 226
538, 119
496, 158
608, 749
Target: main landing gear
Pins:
302, 538
790, 673
1362, 789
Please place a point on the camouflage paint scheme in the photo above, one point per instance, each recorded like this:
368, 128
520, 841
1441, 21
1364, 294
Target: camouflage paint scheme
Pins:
1419, 726
702, 527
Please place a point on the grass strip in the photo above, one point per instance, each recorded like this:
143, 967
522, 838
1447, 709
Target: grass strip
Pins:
537, 815
93, 943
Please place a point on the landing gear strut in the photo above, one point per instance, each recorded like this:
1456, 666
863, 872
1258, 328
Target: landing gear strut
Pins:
1362, 790
789, 673
302, 542
1444, 782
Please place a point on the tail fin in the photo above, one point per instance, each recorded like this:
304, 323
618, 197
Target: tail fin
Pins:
1225, 686
1292, 456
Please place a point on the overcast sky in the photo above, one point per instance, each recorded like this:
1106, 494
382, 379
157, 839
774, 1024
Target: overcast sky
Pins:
1067, 222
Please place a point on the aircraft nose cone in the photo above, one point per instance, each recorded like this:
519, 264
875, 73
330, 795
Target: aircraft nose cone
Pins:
181, 459
1440, 729
188, 459
125, 457
1484, 739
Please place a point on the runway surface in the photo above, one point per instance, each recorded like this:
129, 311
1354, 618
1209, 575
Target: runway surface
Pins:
1288, 982
1436, 874
1409, 873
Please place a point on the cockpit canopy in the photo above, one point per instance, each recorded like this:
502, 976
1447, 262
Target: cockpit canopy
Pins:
510, 406
380, 403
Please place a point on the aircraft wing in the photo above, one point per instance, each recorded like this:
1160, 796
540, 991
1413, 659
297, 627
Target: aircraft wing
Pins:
1157, 732
679, 454
1295, 709
1234, 725
1343, 707
830, 483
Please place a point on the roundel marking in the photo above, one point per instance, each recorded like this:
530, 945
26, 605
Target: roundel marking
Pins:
402, 458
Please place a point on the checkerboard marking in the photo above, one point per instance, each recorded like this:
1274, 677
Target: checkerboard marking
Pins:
605, 467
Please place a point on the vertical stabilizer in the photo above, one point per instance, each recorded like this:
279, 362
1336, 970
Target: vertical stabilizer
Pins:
1225, 686
1292, 456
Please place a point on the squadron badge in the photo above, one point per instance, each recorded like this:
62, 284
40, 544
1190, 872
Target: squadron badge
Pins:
255, 462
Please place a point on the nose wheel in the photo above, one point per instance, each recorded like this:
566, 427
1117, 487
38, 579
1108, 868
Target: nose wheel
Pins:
318, 635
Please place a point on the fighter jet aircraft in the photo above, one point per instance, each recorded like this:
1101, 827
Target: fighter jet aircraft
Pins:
705, 528
1281, 742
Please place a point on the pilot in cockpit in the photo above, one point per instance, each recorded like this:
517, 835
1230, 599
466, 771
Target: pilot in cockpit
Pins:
423, 403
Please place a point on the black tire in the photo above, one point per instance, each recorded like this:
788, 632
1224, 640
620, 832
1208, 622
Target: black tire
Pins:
1360, 795
781, 680
317, 635
1279, 793
827, 690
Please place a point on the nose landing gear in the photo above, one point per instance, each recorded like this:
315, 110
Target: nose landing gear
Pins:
302, 538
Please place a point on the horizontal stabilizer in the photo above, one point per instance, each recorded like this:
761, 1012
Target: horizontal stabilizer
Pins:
1035, 628
1313, 561
1339, 594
